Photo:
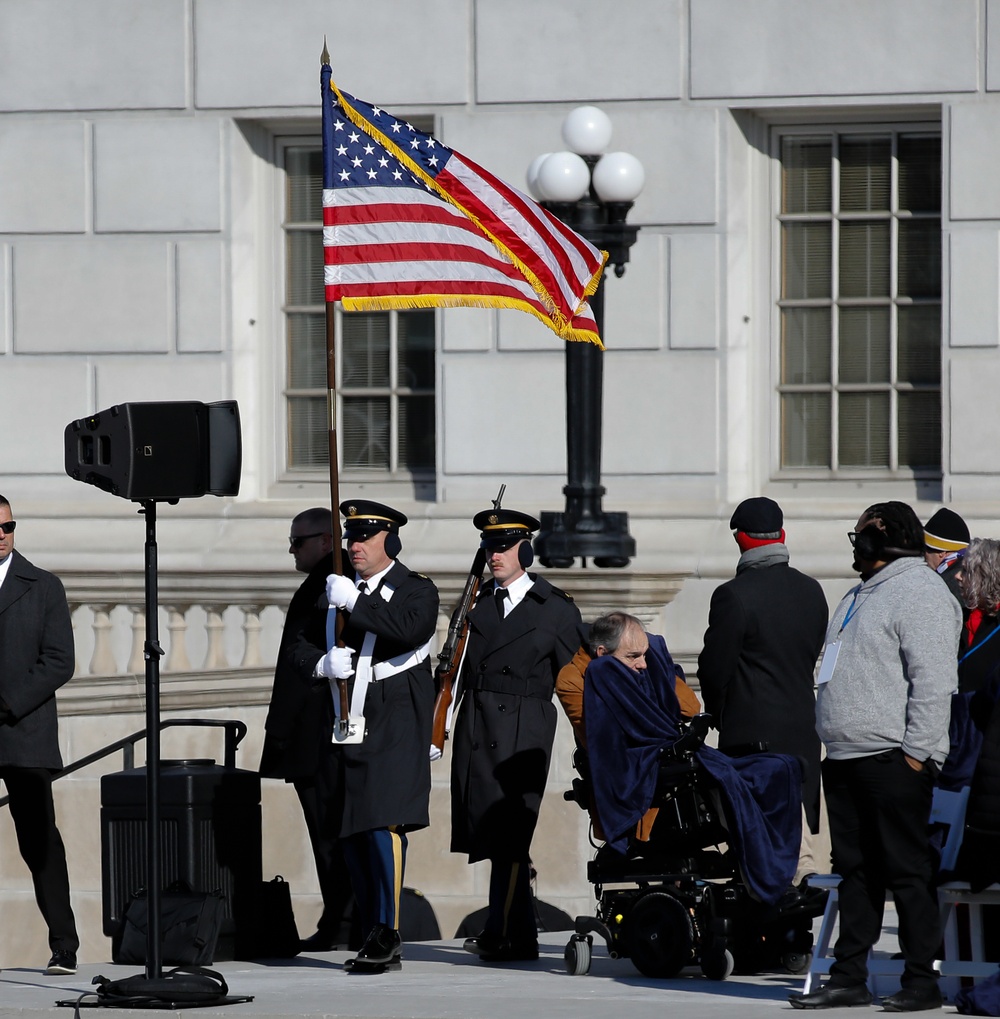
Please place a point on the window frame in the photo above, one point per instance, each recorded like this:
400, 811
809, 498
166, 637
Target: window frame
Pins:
831, 130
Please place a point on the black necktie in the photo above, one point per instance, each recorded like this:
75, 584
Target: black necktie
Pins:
498, 599
363, 587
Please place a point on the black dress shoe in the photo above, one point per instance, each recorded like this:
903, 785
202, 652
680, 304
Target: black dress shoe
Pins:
382, 950
317, 942
61, 964
493, 948
831, 996
911, 999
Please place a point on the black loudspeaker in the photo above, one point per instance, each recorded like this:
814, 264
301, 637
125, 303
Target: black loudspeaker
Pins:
165, 451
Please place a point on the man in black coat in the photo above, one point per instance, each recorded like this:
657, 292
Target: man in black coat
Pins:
378, 788
36, 658
522, 631
765, 632
293, 731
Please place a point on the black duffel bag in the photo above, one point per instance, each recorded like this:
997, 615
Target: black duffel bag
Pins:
190, 923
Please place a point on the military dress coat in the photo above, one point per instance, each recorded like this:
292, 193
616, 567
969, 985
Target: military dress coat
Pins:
386, 780
36, 658
506, 720
293, 731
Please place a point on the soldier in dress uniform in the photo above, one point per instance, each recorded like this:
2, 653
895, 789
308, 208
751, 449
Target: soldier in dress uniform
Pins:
522, 631
378, 789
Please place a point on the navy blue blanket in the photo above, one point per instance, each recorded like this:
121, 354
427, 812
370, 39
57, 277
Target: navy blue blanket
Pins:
632, 716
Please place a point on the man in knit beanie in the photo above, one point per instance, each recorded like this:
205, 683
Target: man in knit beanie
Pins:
946, 537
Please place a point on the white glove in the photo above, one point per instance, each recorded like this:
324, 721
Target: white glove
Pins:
436, 754
341, 592
336, 663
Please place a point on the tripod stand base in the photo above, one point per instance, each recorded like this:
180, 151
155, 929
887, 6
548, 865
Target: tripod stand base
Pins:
183, 987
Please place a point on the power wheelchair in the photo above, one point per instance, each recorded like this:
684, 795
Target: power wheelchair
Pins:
678, 900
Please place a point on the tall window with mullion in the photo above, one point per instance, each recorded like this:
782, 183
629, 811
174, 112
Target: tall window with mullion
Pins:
860, 301
385, 360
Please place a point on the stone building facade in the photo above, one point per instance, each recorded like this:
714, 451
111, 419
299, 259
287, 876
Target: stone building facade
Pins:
810, 313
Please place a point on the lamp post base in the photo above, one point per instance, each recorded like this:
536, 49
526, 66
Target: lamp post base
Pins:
605, 539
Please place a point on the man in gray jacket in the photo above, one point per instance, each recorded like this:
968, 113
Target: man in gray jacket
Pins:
885, 686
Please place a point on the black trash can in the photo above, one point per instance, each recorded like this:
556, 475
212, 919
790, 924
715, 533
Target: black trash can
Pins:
210, 836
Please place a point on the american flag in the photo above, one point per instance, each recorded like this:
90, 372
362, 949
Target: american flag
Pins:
410, 223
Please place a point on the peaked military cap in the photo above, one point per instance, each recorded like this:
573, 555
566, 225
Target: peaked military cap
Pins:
363, 518
503, 526
946, 531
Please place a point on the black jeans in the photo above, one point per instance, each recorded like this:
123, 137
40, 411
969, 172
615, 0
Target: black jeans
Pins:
41, 846
879, 809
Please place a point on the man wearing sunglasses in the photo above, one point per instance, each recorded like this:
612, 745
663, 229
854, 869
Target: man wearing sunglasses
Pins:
36, 658
293, 732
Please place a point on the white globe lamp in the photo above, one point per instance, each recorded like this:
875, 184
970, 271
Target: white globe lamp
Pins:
532, 176
563, 177
587, 130
618, 177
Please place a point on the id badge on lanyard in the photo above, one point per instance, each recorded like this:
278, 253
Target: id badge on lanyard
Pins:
828, 663
830, 653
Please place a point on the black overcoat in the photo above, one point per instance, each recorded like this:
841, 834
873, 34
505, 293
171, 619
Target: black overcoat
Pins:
36, 658
766, 629
386, 780
506, 719
293, 731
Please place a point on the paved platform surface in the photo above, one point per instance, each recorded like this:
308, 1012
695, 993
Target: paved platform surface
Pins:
438, 981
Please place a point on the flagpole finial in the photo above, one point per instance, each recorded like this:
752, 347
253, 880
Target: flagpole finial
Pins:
324, 57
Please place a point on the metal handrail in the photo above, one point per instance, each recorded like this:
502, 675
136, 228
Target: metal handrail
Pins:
235, 731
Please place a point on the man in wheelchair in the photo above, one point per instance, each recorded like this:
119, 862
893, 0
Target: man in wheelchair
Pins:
710, 842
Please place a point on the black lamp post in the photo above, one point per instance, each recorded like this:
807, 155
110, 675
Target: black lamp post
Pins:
592, 193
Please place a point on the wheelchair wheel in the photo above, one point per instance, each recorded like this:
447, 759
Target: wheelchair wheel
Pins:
718, 963
796, 962
659, 935
577, 956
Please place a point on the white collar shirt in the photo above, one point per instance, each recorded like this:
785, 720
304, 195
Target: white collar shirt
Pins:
5, 566
516, 590
373, 581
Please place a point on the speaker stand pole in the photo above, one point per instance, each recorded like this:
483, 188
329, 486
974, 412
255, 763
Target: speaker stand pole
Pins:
152, 652
153, 989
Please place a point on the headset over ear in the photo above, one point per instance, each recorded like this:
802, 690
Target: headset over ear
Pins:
871, 542
525, 554
393, 545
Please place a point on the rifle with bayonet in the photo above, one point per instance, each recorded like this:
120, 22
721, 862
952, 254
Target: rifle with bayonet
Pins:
450, 657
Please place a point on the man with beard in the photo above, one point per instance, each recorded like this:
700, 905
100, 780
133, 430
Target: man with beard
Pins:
885, 684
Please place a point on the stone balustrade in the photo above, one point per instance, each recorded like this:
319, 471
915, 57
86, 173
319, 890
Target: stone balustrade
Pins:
225, 623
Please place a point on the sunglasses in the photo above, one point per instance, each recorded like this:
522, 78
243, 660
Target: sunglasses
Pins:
298, 542
8, 526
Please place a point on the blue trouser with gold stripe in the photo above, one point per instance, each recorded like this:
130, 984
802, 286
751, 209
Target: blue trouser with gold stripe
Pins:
376, 860
512, 912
